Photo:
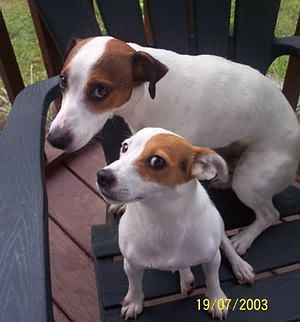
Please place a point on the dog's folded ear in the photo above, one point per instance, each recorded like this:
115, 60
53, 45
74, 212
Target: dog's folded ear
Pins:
145, 68
208, 164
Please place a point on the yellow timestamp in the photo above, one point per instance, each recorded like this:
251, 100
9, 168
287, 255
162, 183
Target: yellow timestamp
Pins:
241, 304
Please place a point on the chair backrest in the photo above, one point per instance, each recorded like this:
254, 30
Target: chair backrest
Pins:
185, 26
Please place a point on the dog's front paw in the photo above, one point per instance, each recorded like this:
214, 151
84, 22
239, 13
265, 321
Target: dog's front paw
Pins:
243, 271
131, 307
218, 305
187, 281
242, 241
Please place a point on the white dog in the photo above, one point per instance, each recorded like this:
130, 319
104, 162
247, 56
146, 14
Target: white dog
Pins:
169, 222
207, 99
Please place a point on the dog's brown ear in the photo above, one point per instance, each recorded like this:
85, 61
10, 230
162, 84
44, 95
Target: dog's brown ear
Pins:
207, 164
145, 68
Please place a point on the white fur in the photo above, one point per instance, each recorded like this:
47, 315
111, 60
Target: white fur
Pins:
169, 228
212, 102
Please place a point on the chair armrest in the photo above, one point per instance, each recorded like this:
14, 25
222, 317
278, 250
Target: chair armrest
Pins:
25, 293
287, 46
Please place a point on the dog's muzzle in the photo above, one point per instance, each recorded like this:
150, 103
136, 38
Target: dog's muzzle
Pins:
60, 138
106, 179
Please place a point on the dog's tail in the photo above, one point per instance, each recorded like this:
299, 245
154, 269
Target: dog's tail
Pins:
241, 269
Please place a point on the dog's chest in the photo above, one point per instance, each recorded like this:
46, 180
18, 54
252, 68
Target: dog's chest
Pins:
166, 249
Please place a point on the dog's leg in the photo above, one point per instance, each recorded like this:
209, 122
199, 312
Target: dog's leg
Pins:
259, 175
217, 298
266, 216
242, 270
132, 304
186, 281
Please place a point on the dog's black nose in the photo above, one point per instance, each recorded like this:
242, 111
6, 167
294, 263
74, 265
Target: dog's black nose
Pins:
106, 178
60, 138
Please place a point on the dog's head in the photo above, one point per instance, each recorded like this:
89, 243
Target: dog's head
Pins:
155, 162
100, 76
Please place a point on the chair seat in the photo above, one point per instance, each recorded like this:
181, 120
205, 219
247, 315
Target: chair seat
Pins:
277, 247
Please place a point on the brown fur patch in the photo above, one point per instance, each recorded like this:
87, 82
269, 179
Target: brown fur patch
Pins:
114, 69
177, 152
72, 52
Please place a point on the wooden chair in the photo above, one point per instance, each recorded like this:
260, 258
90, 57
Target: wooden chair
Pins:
198, 26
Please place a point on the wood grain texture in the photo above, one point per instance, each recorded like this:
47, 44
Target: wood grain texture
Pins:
24, 265
59, 316
73, 279
87, 163
73, 205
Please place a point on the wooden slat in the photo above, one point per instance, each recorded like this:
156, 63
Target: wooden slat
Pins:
77, 20
73, 205
87, 163
212, 26
123, 19
169, 24
9, 69
254, 32
291, 85
59, 316
51, 57
53, 156
73, 279
282, 293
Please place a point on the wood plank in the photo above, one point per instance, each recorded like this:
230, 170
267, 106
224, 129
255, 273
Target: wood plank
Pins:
253, 41
128, 27
77, 20
169, 25
73, 205
212, 26
59, 316
51, 57
53, 155
73, 278
291, 85
87, 163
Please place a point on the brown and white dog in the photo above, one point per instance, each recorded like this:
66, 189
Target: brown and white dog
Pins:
207, 99
169, 222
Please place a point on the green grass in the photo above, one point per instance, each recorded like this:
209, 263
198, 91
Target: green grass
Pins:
286, 24
17, 17
19, 24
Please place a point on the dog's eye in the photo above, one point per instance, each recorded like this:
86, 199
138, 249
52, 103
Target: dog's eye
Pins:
100, 92
156, 162
63, 82
124, 147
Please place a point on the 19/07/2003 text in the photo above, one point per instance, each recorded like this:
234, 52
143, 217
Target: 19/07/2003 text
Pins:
241, 304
